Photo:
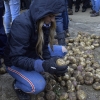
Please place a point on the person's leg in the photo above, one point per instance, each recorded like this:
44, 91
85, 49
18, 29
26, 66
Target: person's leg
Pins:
58, 51
93, 7
65, 17
59, 30
1, 19
66, 20
85, 5
22, 5
66, 23
3, 40
97, 8
59, 23
28, 81
27, 3
14, 8
70, 4
93, 4
77, 5
3, 37
7, 17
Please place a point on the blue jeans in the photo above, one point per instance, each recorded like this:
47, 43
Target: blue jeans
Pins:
62, 21
32, 81
65, 17
12, 10
59, 23
65, 20
93, 4
96, 5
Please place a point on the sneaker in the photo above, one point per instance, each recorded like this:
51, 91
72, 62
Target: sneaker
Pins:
66, 34
95, 14
76, 9
20, 94
70, 12
83, 9
92, 12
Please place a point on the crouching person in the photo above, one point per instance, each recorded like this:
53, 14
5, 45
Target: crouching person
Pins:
29, 50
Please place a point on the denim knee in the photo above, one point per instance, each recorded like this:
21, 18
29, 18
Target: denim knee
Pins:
29, 82
32, 88
39, 87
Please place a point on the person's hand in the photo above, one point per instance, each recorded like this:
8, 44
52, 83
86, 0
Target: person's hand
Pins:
51, 67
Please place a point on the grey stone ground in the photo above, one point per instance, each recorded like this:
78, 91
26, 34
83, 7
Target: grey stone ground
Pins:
80, 22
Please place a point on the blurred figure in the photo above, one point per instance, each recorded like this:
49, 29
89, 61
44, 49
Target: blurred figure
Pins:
70, 5
84, 7
12, 10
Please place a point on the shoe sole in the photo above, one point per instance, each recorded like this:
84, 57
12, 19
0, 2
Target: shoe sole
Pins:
16, 91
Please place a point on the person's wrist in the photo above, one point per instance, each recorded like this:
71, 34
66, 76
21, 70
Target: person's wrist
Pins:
38, 65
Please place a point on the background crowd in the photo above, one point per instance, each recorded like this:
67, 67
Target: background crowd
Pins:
93, 4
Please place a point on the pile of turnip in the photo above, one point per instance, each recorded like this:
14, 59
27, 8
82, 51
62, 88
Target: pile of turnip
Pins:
83, 68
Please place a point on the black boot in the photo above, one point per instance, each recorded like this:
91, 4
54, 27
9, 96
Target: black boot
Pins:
61, 38
21, 95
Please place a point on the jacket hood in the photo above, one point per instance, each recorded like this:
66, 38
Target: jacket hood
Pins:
40, 8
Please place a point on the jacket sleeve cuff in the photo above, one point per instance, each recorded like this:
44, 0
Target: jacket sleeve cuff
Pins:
38, 66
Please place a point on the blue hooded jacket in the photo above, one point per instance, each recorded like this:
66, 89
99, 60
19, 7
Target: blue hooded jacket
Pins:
23, 37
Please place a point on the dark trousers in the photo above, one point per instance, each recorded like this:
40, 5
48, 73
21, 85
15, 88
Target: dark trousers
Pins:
70, 4
3, 37
1, 19
85, 4
25, 4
